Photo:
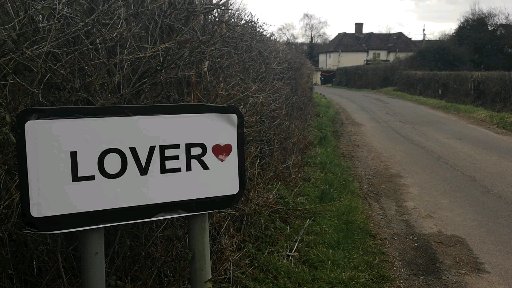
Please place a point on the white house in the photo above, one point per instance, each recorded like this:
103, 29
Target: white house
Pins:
352, 49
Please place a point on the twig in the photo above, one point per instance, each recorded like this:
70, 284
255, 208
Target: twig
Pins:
61, 268
298, 238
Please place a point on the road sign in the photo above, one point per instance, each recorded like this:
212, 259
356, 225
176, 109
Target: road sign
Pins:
83, 167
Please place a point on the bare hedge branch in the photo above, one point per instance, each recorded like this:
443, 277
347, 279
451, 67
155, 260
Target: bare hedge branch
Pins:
65, 52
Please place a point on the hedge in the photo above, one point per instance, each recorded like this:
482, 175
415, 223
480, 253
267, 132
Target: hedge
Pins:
108, 52
492, 90
367, 77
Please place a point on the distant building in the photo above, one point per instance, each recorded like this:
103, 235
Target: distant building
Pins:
358, 48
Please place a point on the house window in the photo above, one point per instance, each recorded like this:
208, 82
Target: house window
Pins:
329, 56
376, 55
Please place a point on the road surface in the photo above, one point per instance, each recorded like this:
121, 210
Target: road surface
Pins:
458, 175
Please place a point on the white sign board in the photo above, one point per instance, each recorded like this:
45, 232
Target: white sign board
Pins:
96, 166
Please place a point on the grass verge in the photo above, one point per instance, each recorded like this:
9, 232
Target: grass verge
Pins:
497, 119
320, 237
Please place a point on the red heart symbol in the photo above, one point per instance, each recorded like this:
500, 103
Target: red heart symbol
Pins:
222, 151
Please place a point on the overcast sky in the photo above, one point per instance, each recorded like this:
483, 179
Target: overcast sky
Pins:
407, 16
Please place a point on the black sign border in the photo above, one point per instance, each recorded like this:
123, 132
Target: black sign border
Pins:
114, 216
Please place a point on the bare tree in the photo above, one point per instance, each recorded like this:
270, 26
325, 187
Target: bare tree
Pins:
387, 29
313, 28
287, 33
313, 32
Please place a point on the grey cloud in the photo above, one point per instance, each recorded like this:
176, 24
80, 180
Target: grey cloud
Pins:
440, 11
450, 11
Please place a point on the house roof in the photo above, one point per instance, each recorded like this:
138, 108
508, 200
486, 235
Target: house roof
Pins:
353, 42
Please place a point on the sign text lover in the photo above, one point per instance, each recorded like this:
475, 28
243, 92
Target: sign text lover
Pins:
128, 163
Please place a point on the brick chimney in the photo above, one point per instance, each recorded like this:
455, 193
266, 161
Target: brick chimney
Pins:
359, 28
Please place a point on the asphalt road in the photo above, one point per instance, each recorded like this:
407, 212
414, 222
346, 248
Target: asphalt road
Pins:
458, 175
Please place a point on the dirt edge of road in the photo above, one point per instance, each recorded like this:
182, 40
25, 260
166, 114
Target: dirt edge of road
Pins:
418, 259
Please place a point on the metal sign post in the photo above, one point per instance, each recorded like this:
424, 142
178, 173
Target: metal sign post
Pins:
92, 254
199, 245
76, 174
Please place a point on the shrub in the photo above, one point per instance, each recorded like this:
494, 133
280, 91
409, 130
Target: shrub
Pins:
492, 90
55, 53
441, 55
370, 76
487, 35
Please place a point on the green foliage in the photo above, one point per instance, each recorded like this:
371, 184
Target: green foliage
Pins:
441, 55
486, 34
370, 76
320, 236
482, 41
492, 90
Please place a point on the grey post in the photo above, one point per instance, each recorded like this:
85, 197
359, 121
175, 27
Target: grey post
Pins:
92, 254
199, 245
